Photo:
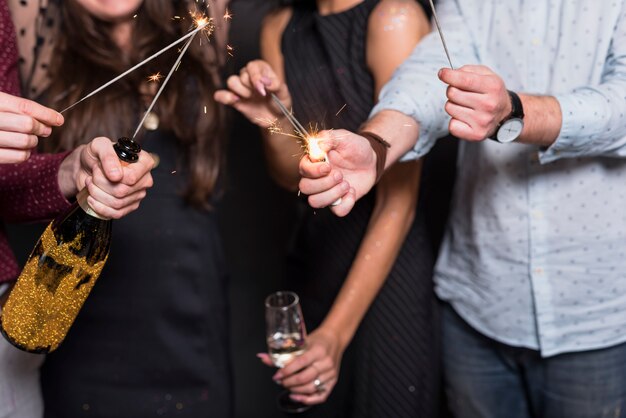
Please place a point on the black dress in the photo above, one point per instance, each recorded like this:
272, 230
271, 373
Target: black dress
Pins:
152, 338
391, 368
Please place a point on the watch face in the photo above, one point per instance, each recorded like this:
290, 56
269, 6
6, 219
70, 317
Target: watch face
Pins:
510, 130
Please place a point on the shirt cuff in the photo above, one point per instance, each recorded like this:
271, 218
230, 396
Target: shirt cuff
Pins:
427, 135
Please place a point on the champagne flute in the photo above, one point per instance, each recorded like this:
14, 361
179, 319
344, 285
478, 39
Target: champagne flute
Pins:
286, 335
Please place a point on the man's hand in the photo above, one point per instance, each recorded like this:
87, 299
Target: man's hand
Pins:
477, 101
21, 122
114, 190
349, 172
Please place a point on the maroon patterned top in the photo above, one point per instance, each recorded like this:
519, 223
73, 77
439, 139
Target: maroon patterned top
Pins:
28, 191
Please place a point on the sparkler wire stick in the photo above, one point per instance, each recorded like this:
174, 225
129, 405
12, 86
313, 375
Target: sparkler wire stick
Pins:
443, 41
150, 58
292, 119
156, 96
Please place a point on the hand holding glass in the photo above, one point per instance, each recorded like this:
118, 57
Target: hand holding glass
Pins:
286, 335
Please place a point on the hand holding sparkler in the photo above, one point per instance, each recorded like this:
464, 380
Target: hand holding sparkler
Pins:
477, 101
349, 173
249, 91
21, 122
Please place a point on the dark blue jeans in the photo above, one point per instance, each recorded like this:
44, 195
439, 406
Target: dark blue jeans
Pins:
488, 379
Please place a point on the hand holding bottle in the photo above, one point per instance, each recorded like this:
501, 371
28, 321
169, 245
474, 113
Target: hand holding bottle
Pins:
21, 122
115, 189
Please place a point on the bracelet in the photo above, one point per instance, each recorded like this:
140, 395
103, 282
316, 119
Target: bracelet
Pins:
380, 147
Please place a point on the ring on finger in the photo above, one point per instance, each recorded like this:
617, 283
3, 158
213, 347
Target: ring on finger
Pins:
319, 385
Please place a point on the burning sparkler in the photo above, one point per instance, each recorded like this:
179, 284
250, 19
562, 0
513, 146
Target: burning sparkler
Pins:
142, 63
203, 23
310, 143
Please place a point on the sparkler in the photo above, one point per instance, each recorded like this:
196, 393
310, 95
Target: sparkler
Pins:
310, 142
443, 41
158, 93
191, 34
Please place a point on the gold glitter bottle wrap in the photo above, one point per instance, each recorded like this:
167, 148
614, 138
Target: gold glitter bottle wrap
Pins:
60, 273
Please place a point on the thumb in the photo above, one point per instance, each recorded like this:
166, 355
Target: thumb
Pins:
265, 359
102, 149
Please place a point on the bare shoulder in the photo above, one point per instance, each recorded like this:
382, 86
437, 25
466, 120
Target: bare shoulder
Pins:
398, 16
274, 23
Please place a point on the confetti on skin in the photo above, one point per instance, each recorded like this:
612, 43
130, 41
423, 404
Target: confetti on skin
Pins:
396, 15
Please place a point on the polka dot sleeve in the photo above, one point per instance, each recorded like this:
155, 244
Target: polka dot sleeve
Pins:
9, 81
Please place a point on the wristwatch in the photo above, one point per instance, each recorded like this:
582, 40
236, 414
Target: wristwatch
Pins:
511, 128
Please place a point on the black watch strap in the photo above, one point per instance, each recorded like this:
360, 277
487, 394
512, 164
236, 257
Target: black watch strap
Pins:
517, 111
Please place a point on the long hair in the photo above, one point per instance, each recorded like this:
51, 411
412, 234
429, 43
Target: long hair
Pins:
86, 57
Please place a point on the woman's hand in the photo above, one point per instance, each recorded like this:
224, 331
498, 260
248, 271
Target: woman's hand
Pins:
21, 122
312, 376
249, 93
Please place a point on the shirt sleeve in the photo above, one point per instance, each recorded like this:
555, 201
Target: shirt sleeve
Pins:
594, 117
415, 89
30, 191
9, 81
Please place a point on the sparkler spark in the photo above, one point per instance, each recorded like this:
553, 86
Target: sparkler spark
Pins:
228, 15
313, 149
155, 77
202, 20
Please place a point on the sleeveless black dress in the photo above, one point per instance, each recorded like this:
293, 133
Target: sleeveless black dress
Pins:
391, 368
153, 337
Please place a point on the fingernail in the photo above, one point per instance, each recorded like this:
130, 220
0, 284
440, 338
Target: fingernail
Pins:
296, 398
277, 376
260, 355
325, 169
345, 186
261, 88
60, 119
266, 80
439, 73
337, 176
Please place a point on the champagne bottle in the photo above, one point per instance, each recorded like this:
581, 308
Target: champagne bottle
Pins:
60, 272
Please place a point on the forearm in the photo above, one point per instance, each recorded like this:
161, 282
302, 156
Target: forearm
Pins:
393, 215
592, 122
398, 129
282, 152
542, 120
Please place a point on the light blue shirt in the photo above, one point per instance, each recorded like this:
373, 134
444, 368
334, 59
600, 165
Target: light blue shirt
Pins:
535, 250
